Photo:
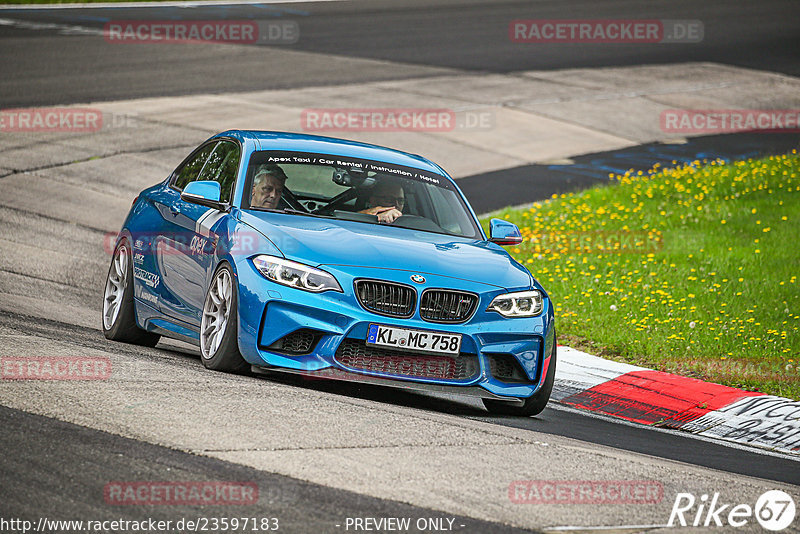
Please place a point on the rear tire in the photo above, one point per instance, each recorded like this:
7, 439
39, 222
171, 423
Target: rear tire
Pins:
119, 314
219, 346
534, 404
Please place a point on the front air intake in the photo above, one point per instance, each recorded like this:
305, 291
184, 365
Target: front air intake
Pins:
355, 354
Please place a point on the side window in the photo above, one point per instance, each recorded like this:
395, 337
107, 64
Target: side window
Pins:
188, 173
222, 167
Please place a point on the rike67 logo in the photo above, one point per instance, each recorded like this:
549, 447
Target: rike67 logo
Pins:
774, 510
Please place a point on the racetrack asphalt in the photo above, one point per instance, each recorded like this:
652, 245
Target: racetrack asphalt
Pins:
352, 442
351, 42
358, 450
530, 183
62, 474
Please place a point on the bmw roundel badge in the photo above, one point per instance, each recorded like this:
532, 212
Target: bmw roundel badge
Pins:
418, 278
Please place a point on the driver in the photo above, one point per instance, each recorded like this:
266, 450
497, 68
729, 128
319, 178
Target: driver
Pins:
268, 184
386, 200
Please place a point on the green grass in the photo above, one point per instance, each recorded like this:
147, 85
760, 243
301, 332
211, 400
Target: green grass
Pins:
705, 282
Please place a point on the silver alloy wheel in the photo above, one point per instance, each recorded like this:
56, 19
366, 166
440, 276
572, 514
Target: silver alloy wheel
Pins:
115, 287
216, 312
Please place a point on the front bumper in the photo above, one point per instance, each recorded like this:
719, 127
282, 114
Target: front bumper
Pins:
333, 373
269, 312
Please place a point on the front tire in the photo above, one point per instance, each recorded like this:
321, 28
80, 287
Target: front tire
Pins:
534, 404
119, 315
219, 346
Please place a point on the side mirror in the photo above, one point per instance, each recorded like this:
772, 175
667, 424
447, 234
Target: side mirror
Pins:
504, 233
203, 192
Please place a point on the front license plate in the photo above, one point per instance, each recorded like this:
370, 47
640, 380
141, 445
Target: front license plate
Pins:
413, 340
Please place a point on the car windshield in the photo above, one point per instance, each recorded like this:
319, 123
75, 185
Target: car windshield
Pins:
355, 189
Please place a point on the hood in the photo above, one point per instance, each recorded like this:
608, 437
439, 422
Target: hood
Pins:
321, 241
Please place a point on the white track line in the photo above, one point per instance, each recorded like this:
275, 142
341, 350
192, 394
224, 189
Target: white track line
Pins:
128, 5
602, 528
65, 29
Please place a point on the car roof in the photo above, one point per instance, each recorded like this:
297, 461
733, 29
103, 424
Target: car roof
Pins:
295, 142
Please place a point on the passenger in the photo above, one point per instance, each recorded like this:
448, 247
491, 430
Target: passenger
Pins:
268, 184
386, 200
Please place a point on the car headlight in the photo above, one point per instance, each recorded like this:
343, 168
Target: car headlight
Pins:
518, 304
293, 274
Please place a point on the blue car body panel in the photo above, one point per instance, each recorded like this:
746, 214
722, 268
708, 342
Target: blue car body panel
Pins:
177, 247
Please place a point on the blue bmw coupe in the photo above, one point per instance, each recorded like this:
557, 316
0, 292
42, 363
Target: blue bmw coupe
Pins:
335, 259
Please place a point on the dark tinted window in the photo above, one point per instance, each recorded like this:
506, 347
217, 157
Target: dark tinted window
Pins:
188, 173
222, 167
